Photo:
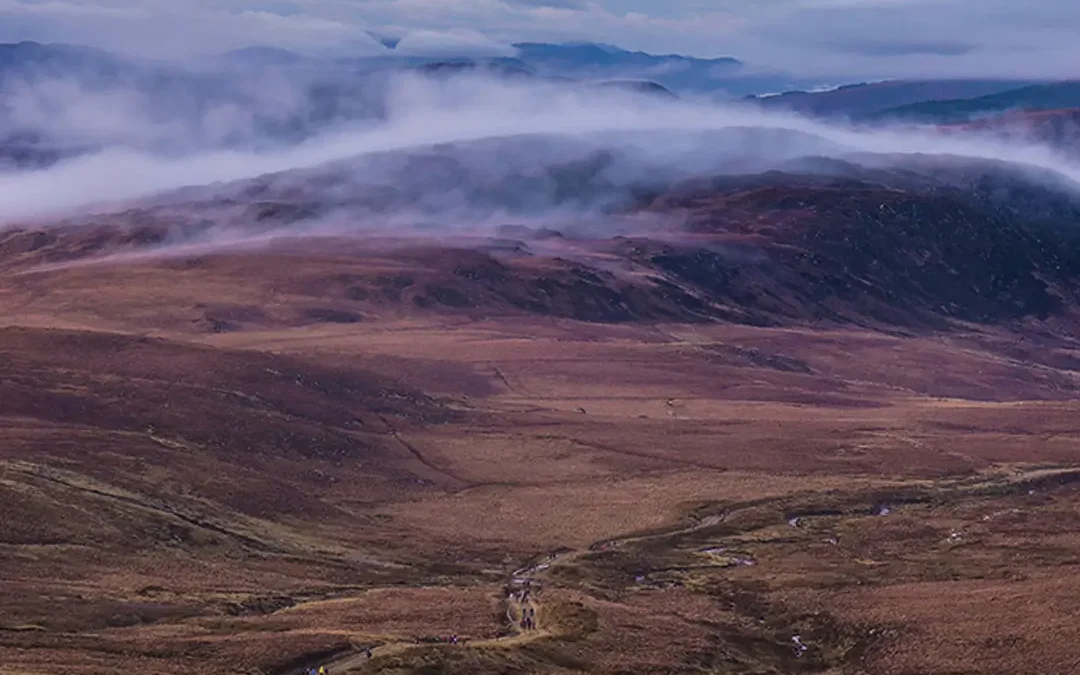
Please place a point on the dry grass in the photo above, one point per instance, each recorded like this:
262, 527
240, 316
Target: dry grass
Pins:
544, 517
176, 505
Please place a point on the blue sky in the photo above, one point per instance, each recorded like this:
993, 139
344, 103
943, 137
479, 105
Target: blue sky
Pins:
810, 37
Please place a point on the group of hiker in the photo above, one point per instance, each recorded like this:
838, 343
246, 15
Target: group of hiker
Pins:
528, 612
528, 618
527, 622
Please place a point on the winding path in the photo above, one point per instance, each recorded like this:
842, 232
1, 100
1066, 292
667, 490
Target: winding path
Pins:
529, 575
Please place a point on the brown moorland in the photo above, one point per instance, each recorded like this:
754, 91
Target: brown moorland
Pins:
262, 461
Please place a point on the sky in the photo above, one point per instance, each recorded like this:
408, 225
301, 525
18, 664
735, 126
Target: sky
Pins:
840, 38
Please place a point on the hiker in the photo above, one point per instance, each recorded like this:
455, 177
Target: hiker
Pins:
367, 652
322, 670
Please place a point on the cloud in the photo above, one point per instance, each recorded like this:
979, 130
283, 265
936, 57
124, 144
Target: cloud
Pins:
164, 29
927, 38
906, 47
451, 43
565, 4
922, 38
667, 137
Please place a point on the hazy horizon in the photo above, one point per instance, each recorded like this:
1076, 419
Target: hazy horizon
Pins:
838, 39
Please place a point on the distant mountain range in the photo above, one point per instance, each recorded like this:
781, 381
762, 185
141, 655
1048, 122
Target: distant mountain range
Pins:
881, 99
266, 95
1051, 96
1045, 112
929, 101
678, 73
579, 61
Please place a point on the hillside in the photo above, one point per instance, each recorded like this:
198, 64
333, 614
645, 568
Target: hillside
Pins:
307, 461
258, 100
908, 245
870, 100
733, 400
1058, 128
1035, 97
682, 74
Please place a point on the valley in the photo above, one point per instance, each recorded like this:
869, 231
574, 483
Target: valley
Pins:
558, 359
213, 475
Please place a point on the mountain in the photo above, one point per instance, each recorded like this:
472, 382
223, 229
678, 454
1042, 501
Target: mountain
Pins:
32, 60
1059, 128
514, 69
1043, 112
35, 53
265, 56
585, 56
670, 401
870, 100
260, 98
1051, 96
640, 87
497, 67
883, 247
911, 244
72, 100
681, 74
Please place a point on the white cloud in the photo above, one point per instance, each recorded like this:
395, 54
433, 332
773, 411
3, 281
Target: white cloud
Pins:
861, 38
424, 113
178, 29
449, 43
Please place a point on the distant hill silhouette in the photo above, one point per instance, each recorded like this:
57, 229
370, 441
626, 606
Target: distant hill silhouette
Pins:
640, 87
867, 100
1035, 97
675, 72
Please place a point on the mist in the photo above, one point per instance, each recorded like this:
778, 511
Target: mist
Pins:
457, 152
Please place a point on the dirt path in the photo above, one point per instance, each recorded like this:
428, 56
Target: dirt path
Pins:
355, 661
526, 582
522, 603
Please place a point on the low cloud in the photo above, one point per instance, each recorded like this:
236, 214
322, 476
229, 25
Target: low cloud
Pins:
904, 48
891, 38
452, 43
157, 28
565, 4
509, 132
